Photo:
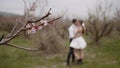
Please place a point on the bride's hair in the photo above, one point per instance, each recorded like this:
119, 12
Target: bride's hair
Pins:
81, 22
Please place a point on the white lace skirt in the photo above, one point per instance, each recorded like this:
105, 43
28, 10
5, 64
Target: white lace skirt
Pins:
78, 43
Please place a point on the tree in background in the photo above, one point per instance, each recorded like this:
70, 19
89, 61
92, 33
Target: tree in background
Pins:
117, 18
100, 22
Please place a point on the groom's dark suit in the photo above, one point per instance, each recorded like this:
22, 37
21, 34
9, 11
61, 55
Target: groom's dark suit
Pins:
71, 50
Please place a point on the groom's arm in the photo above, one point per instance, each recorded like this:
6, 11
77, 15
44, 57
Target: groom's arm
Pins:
71, 33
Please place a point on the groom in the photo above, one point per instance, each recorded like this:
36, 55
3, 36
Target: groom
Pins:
71, 31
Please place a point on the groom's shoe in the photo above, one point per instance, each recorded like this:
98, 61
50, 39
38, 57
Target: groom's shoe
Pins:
67, 64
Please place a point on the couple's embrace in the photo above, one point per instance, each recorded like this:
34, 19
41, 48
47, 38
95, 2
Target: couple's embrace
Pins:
77, 42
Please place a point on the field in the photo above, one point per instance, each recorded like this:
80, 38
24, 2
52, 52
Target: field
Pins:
102, 33
107, 55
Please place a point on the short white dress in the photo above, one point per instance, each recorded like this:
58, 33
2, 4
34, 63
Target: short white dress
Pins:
78, 43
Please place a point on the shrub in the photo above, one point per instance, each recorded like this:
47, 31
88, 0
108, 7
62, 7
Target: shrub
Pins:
7, 26
48, 41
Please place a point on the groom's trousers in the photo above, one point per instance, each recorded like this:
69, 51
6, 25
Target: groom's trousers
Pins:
70, 54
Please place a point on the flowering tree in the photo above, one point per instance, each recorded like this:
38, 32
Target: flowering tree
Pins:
27, 19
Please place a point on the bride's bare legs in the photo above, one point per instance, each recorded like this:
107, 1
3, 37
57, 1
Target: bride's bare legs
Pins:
76, 54
81, 54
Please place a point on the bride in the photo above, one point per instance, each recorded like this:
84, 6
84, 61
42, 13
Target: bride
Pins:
78, 43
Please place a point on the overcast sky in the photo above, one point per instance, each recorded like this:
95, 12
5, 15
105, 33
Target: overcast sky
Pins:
78, 8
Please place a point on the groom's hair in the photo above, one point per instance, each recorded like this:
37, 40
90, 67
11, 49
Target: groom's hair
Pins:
74, 20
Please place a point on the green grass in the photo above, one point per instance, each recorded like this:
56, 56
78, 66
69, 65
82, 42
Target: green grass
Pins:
107, 55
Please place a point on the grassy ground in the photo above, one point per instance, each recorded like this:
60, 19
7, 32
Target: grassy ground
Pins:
105, 56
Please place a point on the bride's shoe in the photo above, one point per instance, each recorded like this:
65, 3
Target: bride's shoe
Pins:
80, 61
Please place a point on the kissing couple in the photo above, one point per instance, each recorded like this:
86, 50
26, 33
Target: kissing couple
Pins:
77, 42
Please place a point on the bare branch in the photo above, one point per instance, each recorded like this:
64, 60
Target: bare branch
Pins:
2, 37
103, 30
14, 28
16, 34
54, 19
12, 36
41, 24
23, 48
48, 13
109, 31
